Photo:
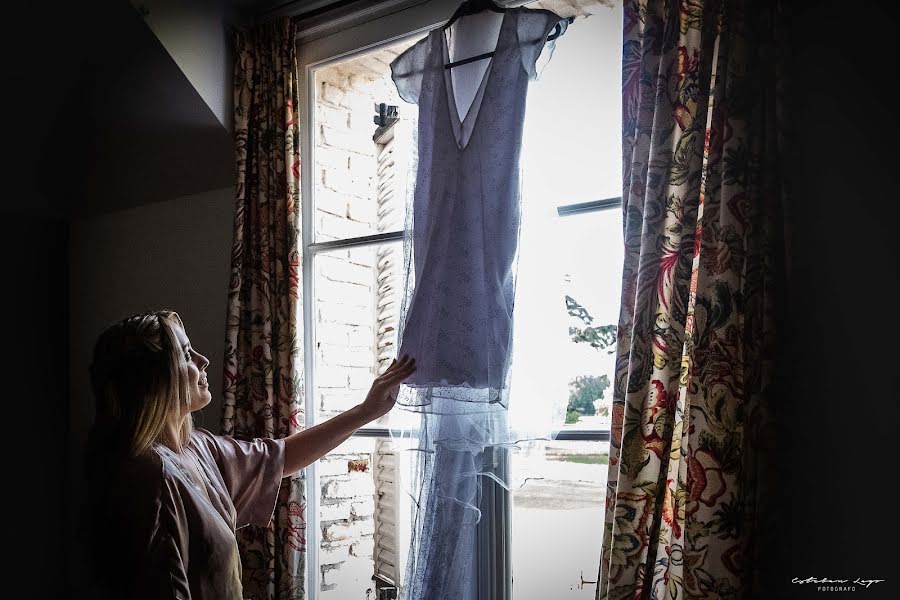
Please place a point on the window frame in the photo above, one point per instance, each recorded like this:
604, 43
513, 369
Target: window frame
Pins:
359, 37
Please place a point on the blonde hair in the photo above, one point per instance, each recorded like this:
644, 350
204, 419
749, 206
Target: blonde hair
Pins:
140, 385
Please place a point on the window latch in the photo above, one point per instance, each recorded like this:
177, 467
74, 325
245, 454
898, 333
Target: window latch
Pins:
387, 114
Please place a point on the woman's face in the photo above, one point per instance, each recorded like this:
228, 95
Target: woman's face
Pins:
196, 371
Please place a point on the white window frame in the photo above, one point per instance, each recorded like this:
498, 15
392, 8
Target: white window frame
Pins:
386, 24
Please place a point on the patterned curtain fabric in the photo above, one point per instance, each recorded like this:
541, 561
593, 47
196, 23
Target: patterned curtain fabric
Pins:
692, 438
263, 361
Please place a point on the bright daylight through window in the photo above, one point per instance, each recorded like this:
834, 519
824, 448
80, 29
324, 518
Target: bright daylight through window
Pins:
569, 254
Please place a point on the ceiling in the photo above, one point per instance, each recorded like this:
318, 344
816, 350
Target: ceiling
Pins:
107, 119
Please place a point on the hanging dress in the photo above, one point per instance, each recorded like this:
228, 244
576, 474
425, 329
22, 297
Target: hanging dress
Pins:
457, 323
460, 248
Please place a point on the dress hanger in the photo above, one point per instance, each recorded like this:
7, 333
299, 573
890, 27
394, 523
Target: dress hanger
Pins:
471, 7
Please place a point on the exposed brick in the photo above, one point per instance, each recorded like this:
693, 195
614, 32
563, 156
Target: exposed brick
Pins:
340, 531
363, 256
332, 466
351, 579
332, 159
333, 333
345, 313
342, 292
361, 335
363, 508
350, 489
339, 511
366, 526
332, 117
343, 356
342, 228
331, 94
332, 378
364, 548
331, 202
339, 401
356, 445
333, 555
364, 210
347, 139
360, 379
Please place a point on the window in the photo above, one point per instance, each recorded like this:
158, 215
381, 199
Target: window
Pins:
355, 165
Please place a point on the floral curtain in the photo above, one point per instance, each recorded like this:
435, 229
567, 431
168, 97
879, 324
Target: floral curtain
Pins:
692, 438
263, 361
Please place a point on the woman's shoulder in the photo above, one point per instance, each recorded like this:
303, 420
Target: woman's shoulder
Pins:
204, 441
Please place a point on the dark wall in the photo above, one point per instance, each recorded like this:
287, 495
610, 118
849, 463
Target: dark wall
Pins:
35, 406
836, 466
46, 59
99, 120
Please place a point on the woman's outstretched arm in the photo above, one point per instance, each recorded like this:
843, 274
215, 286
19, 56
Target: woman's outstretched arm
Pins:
304, 447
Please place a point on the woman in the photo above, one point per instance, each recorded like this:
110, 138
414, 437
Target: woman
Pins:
166, 498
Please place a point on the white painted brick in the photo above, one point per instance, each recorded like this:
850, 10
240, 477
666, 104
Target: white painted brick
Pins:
331, 202
370, 68
330, 574
356, 445
361, 335
343, 181
342, 228
331, 94
366, 526
342, 356
334, 555
332, 159
363, 508
335, 512
333, 333
363, 165
332, 117
336, 76
342, 292
339, 401
350, 489
340, 531
331, 377
360, 104
364, 548
347, 139
360, 379
332, 466
345, 313
364, 210
363, 256
351, 579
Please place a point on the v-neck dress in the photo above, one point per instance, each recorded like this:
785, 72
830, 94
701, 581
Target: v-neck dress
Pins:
458, 320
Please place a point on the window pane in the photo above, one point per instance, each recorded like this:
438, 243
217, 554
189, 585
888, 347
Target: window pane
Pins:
360, 167
557, 528
356, 311
364, 518
346, 520
592, 284
572, 154
572, 146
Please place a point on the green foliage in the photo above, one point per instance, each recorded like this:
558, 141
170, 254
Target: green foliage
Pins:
599, 337
584, 459
584, 390
572, 417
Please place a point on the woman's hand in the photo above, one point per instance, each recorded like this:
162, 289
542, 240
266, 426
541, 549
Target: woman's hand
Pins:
309, 445
383, 394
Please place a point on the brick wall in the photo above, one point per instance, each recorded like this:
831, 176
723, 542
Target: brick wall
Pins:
345, 295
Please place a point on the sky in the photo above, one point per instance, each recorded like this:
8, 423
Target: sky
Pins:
571, 154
